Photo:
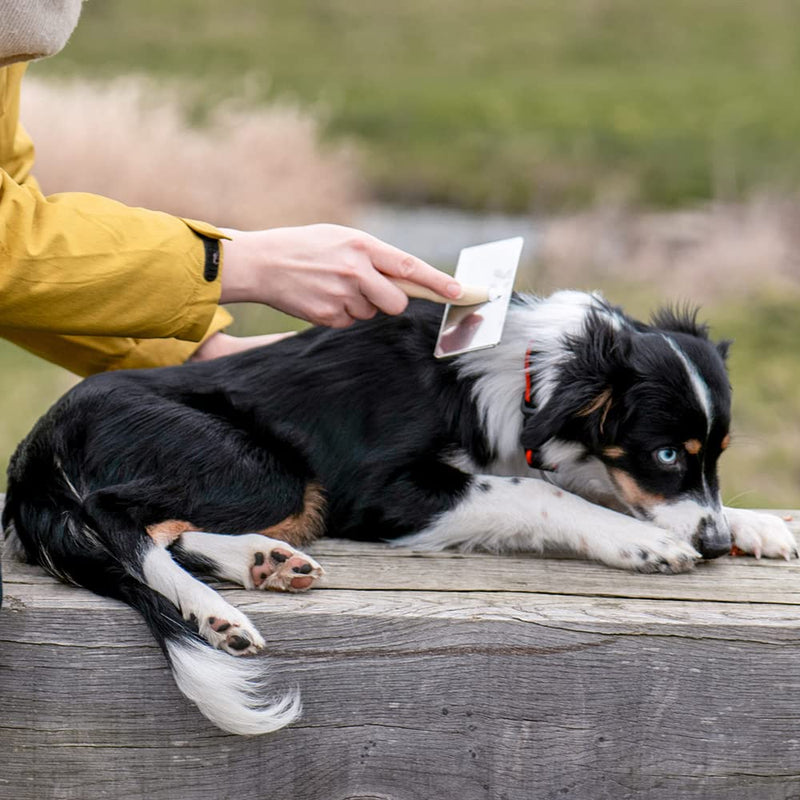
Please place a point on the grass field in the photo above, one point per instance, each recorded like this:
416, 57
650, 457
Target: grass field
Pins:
762, 467
511, 104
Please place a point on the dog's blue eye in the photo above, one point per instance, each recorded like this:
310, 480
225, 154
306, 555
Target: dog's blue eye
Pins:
667, 456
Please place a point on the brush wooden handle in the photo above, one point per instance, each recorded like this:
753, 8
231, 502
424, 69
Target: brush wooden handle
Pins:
471, 296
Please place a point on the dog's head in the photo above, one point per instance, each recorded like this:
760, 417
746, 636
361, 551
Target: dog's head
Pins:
640, 415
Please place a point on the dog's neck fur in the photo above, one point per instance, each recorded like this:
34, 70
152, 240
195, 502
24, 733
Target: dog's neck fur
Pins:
499, 373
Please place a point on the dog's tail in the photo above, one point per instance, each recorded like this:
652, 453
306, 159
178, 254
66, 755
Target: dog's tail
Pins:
53, 531
231, 692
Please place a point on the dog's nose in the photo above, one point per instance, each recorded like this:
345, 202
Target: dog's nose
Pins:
713, 538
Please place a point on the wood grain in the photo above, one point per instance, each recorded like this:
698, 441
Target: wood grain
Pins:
426, 676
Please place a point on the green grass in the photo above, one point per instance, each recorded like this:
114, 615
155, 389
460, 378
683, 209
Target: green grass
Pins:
762, 467
511, 104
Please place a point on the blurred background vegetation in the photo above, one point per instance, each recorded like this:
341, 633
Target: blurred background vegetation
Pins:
512, 104
653, 150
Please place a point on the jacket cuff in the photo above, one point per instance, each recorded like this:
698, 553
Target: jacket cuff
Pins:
207, 285
204, 228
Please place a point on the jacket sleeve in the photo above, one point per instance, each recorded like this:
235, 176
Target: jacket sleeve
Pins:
79, 273
85, 355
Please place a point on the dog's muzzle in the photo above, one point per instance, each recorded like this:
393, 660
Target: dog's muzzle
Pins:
713, 537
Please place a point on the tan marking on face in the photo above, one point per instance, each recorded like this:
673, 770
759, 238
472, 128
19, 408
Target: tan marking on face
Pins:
603, 402
726, 441
166, 532
604, 398
614, 451
693, 446
633, 494
305, 526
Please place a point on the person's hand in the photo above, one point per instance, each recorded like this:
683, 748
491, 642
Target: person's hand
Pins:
327, 274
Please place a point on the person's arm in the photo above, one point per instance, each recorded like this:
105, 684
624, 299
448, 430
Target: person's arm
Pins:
92, 270
80, 274
85, 265
94, 285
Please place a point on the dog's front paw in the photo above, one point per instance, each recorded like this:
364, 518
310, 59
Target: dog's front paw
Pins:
759, 534
666, 555
644, 548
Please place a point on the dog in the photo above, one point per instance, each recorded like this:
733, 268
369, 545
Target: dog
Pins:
584, 432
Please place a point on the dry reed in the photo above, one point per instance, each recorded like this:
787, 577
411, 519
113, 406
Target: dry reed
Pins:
131, 141
715, 253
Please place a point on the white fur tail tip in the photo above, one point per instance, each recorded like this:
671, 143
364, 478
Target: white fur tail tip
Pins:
230, 691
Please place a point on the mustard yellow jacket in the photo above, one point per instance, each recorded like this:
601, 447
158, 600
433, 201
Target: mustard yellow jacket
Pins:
92, 284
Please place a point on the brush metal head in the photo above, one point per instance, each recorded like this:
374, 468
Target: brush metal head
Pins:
476, 327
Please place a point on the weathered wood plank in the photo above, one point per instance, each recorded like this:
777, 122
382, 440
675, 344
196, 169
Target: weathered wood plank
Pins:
417, 686
29, 589
368, 566
724, 580
374, 567
398, 709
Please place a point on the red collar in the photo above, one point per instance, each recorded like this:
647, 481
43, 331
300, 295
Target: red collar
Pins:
527, 399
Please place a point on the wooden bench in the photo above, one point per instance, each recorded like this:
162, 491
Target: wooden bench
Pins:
426, 677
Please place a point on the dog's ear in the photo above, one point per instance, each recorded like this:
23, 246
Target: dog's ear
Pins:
584, 405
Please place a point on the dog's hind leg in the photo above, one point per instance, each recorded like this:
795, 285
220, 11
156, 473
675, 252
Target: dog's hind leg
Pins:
252, 560
112, 555
218, 622
143, 554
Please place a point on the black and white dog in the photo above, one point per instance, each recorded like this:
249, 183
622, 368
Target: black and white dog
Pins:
585, 431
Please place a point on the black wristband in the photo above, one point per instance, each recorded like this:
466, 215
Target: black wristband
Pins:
211, 268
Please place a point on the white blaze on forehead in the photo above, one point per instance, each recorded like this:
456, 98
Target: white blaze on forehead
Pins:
700, 387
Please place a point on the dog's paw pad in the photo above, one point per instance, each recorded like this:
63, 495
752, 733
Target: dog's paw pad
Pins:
238, 638
759, 534
284, 569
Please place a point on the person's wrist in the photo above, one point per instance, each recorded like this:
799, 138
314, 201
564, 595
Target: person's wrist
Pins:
247, 256
236, 278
